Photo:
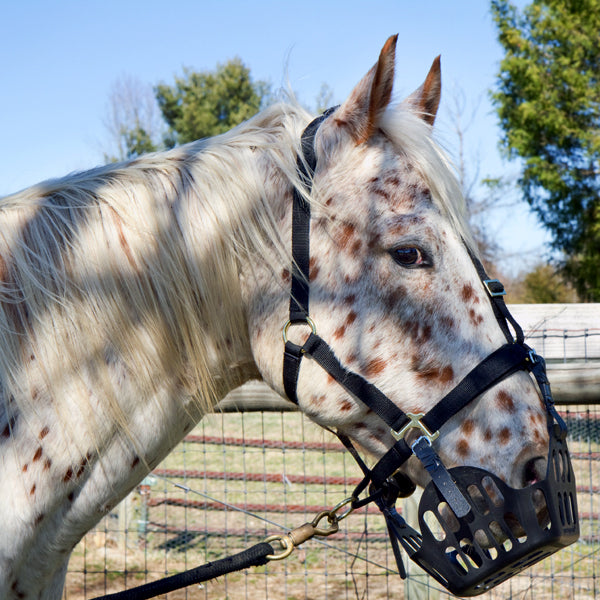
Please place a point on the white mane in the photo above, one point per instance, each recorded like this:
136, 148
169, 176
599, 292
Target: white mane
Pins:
137, 260
140, 260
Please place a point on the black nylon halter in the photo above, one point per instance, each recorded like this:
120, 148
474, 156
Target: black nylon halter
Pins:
508, 359
386, 483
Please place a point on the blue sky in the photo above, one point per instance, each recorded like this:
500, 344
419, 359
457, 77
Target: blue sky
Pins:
60, 59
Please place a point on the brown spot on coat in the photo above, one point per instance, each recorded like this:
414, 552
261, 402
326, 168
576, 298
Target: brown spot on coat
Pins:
135, 462
475, 318
32, 490
374, 367
356, 248
318, 400
504, 436
3, 269
505, 401
463, 448
339, 332
381, 192
38, 454
346, 234
9, 427
432, 374
468, 426
345, 405
313, 269
68, 475
467, 292
47, 464
123, 241
15, 588
447, 322
424, 334
446, 374
44, 432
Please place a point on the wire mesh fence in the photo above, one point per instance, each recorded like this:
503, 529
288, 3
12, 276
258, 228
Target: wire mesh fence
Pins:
240, 477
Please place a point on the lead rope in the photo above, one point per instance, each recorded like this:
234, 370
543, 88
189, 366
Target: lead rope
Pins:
255, 556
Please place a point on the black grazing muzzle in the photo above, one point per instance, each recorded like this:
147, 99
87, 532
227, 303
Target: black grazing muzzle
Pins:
474, 530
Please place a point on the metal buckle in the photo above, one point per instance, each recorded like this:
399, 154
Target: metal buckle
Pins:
494, 293
415, 423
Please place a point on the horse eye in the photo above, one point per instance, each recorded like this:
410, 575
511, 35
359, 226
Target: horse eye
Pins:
408, 256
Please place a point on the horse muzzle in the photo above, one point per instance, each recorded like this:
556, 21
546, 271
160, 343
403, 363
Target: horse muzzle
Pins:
504, 531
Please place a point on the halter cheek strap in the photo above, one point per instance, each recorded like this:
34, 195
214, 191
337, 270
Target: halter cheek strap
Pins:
306, 164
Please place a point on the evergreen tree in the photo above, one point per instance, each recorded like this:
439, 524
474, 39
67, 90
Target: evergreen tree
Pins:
548, 101
207, 103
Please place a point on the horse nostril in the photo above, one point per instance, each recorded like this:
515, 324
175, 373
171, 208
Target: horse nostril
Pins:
534, 471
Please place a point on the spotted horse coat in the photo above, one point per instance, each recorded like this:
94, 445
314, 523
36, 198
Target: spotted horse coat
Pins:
134, 296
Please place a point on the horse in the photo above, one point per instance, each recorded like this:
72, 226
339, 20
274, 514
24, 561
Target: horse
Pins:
135, 296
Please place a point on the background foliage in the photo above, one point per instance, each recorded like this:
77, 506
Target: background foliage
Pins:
548, 101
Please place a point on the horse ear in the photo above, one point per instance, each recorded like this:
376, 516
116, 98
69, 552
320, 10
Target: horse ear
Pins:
426, 99
361, 112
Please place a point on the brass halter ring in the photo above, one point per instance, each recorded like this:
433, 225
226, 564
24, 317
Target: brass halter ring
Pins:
307, 321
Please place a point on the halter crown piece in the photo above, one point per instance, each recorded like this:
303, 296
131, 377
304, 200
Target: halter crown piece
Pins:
483, 531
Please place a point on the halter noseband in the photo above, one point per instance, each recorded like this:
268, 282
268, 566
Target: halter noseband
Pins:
462, 561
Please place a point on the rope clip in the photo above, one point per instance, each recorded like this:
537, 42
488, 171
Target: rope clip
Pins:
292, 539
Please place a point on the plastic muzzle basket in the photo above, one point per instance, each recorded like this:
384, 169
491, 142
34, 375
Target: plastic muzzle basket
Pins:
506, 531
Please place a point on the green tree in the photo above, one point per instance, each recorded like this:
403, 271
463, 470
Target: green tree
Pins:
544, 285
207, 103
548, 102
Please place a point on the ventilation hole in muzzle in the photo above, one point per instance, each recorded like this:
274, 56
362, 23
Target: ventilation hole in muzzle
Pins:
492, 491
500, 536
483, 540
572, 509
434, 526
566, 507
542, 513
566, 464
456, 560
491, 552
559, 461
448, 518
478, 500
470, 552
515, 527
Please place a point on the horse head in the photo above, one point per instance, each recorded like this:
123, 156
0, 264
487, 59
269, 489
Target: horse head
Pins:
394, 289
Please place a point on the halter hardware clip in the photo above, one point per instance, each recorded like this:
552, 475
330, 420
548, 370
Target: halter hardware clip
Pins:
494, 287
415, 423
